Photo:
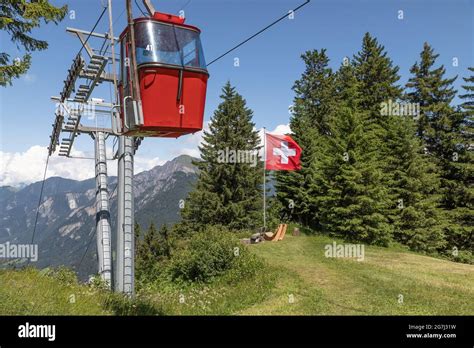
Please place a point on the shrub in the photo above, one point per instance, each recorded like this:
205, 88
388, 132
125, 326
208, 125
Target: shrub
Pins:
210, 254
463, 256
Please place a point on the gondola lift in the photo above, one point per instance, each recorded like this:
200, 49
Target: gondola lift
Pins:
163, 78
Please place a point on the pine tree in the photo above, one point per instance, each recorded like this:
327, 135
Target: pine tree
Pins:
434, 93
164, 240
154, 248
467, 127
461, 228
376, 83
353, 185
377, 79
355, 201
348, 88
314, 91
138, 232
412, 210
325, 165
18, 18
413, 183
228, 194
468, 106
441, 128
314, 106
147, 248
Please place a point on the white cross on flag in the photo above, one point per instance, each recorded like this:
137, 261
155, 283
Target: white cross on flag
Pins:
282, 153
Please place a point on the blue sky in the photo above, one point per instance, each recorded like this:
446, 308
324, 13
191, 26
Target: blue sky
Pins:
269, 64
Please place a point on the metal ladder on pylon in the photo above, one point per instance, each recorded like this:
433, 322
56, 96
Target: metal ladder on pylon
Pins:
73, 121
93, 72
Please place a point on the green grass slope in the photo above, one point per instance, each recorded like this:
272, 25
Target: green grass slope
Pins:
299, 280
29, 292
386, 282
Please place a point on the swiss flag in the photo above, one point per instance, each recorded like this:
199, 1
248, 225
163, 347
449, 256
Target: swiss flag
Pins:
282, 153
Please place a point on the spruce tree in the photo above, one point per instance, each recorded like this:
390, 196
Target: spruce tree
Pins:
468, 106
147, 250
314, 106
413, 183
348, 89
153, 249
228, 194
326, 166
409, 179
434, 93
355, 201
353, 171
461, 229
138, 233
314, 91
377, 78
18, 18
442, 129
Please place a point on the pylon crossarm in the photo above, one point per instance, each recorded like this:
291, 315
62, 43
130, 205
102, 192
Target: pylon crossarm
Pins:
85, 32
90, 130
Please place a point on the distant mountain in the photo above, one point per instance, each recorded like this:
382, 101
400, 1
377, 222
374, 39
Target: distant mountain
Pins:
66, 221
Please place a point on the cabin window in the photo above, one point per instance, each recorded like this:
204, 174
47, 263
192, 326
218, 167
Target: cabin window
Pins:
168, 44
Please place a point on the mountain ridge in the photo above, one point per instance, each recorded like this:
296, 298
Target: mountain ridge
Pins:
66, 219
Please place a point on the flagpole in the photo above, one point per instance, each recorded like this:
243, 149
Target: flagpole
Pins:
264, 180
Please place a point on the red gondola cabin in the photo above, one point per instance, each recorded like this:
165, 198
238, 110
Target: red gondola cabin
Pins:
172, 78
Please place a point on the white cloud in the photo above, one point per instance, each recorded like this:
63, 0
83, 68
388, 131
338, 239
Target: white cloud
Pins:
142, 163
27, 167
190, 152
282, 129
